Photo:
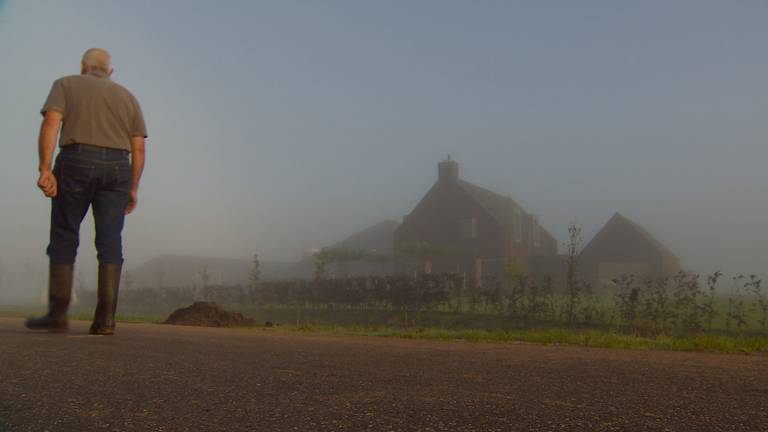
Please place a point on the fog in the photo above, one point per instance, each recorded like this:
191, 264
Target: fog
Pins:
280, 126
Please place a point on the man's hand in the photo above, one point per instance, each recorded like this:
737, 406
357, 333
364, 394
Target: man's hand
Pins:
47, 183
134, 198
46, 144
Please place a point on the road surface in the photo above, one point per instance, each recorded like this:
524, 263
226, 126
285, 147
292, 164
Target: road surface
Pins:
169, 378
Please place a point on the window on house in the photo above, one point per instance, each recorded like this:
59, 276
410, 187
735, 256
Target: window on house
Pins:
517, 226
469, 228
536, 232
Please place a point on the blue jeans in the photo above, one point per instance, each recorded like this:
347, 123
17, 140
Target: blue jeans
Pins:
89, 176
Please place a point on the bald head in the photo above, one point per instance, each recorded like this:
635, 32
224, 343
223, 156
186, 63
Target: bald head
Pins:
96, 60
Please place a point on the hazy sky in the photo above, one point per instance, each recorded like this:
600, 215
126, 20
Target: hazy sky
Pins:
278, 126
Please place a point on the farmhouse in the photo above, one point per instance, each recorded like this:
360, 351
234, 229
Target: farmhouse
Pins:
461, 227
457, 227
624, 247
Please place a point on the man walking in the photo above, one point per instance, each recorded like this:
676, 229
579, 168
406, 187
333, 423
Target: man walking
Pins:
101, 125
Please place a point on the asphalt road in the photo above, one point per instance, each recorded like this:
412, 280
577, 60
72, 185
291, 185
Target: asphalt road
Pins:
168, 378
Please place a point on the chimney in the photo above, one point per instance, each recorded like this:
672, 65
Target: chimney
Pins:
448, 170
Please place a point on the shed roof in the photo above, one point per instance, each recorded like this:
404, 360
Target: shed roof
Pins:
618, 219
376, 237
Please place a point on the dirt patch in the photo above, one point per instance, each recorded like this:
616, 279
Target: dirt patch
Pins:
207, 314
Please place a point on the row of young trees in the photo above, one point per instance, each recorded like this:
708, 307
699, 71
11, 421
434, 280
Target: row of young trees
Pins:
682, 304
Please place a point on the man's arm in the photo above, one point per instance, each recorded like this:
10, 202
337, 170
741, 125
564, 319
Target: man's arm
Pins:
46, 144
137, 167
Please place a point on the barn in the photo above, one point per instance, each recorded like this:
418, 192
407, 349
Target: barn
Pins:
624, 247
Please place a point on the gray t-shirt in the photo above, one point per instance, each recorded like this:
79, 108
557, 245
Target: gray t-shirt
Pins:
95, 111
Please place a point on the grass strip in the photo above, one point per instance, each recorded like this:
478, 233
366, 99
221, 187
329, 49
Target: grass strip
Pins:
585, 338
549, 336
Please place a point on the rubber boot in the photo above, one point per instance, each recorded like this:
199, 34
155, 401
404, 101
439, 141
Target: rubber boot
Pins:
59, 295
109, 284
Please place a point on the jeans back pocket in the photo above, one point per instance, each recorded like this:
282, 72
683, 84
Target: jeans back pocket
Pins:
123, 177
74, 176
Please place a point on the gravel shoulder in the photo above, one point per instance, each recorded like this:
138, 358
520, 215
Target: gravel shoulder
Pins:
172, 378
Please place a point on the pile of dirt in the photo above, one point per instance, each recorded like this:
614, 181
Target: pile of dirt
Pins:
207, 314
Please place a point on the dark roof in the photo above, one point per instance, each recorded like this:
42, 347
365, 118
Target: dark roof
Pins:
618, 218
377, 238
500, 207
646, 234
